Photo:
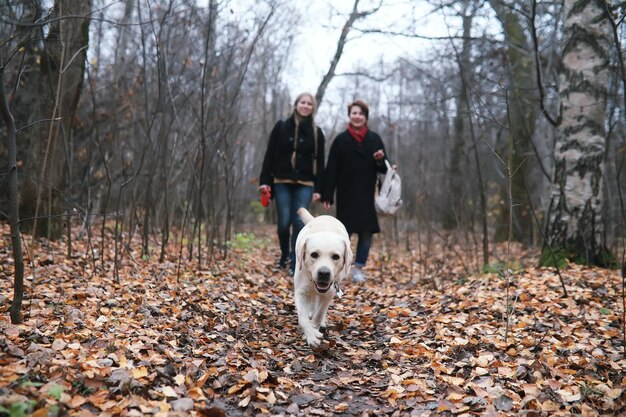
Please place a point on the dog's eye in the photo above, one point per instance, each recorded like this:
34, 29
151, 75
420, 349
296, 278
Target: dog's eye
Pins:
336, 257
315, 255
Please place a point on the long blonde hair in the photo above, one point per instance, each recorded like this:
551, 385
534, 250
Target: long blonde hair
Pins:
296, 118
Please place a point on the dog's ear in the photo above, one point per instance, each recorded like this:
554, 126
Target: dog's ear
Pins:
347, 257
302, 255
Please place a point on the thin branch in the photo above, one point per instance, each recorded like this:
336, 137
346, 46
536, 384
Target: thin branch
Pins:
542, 94
365, 75
428, 38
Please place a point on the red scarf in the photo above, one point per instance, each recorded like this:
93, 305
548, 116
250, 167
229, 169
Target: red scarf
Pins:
357, 134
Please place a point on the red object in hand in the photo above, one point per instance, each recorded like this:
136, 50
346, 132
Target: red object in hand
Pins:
266, 194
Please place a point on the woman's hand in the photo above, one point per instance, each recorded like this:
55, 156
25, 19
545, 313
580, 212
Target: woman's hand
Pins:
266, 194
379, 154
326, 205
316, 197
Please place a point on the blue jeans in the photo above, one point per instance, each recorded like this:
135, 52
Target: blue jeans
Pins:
289, 198
362, 248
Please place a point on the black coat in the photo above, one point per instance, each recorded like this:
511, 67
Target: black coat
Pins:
277, 160
352, 170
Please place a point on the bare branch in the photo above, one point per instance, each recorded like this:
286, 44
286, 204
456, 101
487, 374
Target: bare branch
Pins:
354, 16
542, 94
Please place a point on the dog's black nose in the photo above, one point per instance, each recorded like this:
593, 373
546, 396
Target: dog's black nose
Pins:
323, 275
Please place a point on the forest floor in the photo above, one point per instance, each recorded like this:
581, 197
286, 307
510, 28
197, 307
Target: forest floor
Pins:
418, 338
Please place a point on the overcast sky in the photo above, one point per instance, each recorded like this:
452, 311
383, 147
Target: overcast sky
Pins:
318, 30
321, 28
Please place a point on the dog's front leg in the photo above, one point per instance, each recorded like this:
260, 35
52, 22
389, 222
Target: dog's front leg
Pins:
304, 306
321, 308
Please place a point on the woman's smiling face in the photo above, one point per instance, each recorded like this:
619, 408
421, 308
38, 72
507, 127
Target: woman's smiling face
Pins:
304, 106
357, 117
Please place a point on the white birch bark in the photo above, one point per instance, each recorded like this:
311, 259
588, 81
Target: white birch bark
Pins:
575, 223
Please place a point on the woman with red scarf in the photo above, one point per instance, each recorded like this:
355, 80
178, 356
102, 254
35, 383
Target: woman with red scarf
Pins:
355, 158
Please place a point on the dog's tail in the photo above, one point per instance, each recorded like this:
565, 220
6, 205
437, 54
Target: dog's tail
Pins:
304, 214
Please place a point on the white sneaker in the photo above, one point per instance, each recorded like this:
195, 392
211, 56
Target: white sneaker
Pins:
357, 274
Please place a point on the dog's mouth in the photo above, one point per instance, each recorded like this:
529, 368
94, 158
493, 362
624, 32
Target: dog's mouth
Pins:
322, 287
323, 281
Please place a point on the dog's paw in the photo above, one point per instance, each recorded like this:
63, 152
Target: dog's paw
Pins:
313, 337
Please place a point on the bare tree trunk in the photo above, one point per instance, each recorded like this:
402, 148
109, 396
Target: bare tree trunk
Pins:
163, 185
481, 183
456, 205
523, 116
55, 85
615, 211
14, 214
575, 227
206, 92
162, 113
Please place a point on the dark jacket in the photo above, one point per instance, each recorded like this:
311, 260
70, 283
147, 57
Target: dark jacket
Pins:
277, 161
352, 170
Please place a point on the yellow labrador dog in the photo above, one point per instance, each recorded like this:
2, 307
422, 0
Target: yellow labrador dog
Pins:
323, 259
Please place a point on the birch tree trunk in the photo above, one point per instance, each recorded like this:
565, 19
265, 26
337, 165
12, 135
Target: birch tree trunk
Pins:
575, 229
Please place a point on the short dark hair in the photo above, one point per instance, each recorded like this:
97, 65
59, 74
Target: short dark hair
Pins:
361, 105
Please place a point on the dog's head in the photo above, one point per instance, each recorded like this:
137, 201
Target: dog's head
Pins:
326, 256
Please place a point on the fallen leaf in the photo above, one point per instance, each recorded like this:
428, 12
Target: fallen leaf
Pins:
169, 392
